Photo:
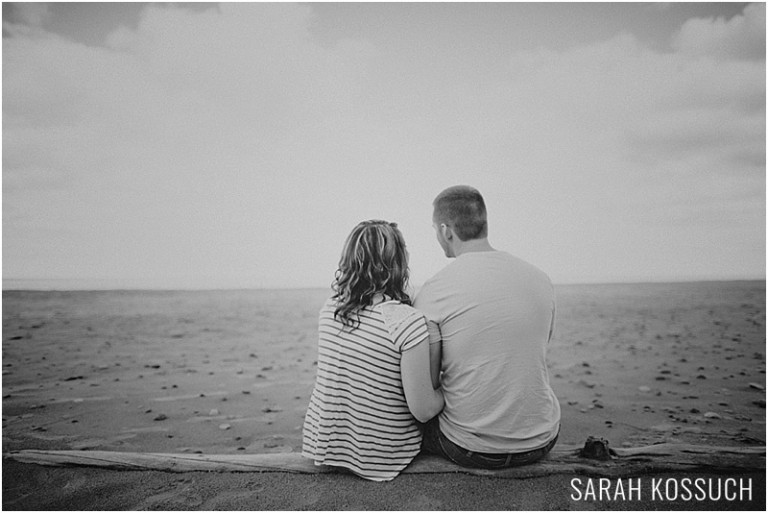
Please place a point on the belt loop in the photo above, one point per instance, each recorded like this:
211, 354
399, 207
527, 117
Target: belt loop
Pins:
509, 458
469, 454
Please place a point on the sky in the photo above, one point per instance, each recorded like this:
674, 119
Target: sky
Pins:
236, 145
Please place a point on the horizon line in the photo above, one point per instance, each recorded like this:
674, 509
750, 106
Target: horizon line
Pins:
15, 285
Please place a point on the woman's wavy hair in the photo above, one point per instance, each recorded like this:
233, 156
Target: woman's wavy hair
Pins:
374, 260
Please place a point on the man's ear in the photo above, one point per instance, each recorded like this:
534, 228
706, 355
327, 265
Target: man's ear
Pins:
447, 232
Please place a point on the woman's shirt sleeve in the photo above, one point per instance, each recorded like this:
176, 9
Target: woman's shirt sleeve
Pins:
407, 326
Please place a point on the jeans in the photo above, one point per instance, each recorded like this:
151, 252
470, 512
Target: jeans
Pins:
435, 442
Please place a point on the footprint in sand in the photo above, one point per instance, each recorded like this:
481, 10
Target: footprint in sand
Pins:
180, 498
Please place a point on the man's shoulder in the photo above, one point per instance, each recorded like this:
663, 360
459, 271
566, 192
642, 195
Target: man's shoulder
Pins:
451, 268
482, 260
481, 268
436, 281
519, 265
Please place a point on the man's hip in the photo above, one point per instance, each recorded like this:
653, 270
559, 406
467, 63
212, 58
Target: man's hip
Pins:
435, 442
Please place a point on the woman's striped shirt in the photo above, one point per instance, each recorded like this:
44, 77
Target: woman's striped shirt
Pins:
358, 417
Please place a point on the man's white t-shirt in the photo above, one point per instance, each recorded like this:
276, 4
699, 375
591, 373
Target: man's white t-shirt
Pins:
495, 315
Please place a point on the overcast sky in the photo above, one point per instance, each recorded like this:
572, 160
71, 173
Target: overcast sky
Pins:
236, 145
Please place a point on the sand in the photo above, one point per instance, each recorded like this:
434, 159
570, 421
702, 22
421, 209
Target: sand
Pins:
90, 489
230, 372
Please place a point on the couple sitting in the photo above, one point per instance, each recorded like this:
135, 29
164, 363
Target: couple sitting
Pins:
460, 372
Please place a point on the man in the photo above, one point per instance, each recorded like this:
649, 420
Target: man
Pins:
491, 315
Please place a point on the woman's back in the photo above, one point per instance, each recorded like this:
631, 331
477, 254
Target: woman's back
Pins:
358, 417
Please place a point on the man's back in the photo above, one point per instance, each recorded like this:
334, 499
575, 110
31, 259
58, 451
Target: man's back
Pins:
495, 313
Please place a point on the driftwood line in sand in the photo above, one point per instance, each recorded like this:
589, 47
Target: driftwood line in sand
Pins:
623, 462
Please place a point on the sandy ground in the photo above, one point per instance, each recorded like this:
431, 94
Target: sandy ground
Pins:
91, 489
230, 372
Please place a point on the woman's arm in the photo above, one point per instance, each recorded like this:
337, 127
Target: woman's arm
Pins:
423, 400
435, 352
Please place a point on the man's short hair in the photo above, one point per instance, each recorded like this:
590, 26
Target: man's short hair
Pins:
462, 208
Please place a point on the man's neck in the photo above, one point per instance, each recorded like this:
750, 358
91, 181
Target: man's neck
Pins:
473, 246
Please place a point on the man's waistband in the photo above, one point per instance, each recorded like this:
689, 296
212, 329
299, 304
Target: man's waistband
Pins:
505, 455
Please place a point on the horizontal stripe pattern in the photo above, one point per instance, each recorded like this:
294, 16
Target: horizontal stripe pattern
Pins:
358, 417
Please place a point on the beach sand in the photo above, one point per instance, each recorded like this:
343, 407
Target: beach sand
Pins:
230, 372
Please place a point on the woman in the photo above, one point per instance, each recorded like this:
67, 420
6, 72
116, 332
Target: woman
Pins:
373, 381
